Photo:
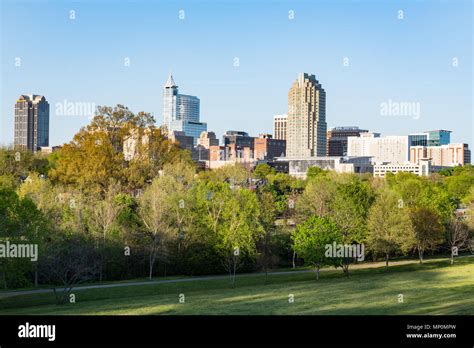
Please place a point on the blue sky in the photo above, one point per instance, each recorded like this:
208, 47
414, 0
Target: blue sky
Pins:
402, 60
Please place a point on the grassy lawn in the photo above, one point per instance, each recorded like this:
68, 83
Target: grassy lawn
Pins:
432, 288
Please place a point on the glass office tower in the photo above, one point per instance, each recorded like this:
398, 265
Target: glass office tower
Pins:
439, 137
31, 122
181, 112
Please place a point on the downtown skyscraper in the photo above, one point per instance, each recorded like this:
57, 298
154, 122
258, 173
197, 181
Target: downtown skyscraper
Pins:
279, 126
306, 124
181, 112
31, 122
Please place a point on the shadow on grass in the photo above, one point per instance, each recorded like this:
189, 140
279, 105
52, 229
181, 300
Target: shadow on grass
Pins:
434, 287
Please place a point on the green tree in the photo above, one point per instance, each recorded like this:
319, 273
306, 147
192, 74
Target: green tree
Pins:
410, 187
8, 181
457, 236
349, 210
89, 162
428, 230
20, 223
438, 198
103, 214
460, 182
70, 261
311, 238
229, 220
157, 224
239, 229
314, 172
37, 189
153, 151
164, 212
316, 198
16, 164
267, 216
95, 156
262, 171
390, 228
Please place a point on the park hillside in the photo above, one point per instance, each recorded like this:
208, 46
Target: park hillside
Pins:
98, 218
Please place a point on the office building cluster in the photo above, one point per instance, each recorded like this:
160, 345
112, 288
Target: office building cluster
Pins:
411, 153
300, 138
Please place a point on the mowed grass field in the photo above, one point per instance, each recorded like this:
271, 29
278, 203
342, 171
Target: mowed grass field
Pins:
436, 288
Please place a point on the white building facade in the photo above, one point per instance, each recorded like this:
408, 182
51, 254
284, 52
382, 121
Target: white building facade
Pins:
423, 168
394, 149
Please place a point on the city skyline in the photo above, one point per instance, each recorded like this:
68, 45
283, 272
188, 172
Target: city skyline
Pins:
366, 61
189, 113
164, 160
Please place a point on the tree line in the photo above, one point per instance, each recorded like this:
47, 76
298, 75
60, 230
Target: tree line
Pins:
97, 215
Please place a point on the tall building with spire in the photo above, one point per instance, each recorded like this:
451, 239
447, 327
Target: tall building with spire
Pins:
181, 112
306, 124
31, 122
170, 94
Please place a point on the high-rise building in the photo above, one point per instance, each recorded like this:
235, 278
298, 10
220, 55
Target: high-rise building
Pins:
267, 148
181, 112
438, 137
430, 138
442, 155
306, 125
170, 96
229, 155
239, 138
31, 122
184, 141
190, 128
393, 149
337, 139
208, 139
417, 139
279, 126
